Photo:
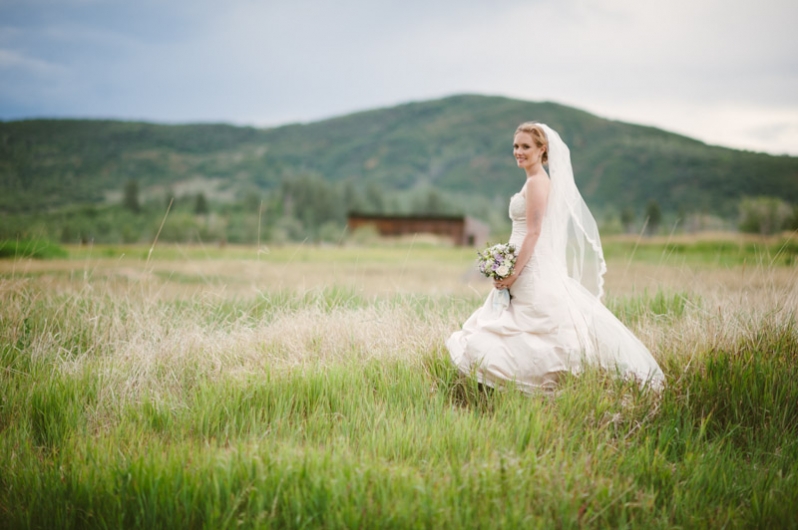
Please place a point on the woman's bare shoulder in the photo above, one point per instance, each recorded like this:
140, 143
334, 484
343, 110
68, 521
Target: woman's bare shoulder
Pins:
539, 182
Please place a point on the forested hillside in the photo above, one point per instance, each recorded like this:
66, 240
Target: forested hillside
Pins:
464, 143
457, 150
50, 163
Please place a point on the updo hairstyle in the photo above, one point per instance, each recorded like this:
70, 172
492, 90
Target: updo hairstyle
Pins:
533, 129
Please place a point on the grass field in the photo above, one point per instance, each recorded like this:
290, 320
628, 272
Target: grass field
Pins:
302, 387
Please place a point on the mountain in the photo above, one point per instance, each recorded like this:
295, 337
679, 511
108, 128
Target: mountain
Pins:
460, 144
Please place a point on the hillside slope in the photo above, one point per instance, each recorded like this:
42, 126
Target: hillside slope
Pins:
460, 143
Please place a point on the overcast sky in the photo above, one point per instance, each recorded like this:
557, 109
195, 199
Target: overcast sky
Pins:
723, 71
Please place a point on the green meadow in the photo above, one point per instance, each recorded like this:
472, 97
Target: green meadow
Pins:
309, 386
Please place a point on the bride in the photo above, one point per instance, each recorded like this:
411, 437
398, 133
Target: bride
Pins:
555, 321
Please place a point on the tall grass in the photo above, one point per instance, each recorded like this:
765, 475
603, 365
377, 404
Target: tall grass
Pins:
128, 404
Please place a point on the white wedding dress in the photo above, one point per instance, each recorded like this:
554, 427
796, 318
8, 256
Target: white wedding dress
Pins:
553, 323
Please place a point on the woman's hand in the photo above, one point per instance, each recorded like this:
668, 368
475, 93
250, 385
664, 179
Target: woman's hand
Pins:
505, 283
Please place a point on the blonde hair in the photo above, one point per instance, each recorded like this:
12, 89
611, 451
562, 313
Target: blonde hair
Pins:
533, 129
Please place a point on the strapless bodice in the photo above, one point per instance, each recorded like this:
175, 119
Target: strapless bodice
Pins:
517, 213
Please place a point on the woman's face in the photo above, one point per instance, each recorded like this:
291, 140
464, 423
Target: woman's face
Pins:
527, 154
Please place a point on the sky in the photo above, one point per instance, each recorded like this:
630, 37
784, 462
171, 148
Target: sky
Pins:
722, 71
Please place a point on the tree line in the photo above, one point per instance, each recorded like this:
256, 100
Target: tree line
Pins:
756, 215
302, 208
309, 208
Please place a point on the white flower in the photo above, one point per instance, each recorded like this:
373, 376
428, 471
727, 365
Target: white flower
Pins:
498, 261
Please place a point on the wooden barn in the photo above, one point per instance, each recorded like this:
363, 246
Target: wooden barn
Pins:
461, 229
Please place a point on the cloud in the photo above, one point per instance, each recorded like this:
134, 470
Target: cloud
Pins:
12, 62
725, 72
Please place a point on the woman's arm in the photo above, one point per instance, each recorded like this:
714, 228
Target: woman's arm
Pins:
537, 195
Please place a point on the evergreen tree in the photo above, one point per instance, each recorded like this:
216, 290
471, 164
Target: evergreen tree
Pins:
628, 219
201, 204
66, 234
252, 200
434, 203
130, 199
654, 215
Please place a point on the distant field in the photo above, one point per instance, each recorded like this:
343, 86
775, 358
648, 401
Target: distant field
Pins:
720, 249
305, 386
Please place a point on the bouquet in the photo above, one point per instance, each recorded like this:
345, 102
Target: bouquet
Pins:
498, 261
